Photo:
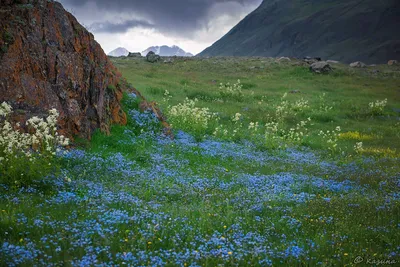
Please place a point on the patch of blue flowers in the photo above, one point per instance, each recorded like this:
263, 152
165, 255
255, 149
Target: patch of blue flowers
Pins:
117, 211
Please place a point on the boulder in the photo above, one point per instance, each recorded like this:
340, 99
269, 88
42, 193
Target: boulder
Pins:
49, 60
375, 71
358, 64
152, 57
283, 59
137, 54
320, 67
393, 62
310, 60
168, 61
332, 61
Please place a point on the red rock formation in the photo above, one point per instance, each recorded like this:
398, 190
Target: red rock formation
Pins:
47, 59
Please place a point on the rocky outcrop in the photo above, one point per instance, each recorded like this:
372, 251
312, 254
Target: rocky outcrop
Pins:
283, 59
166, 51
358, 64
47, 59
320, 67
136, 54
152, 57
332, 62
310, 60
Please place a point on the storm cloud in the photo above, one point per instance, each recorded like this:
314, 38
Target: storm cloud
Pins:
112, 27
177, 17
137, 24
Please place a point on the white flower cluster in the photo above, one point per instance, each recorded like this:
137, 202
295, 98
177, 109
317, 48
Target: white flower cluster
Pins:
222, 131
236, 118
231, 90
301, 105
358, 147
294, 135
323, 103
253, 126
378, 106
331, 138
44, 138
283, 109
187, 115
5, 109
167, 96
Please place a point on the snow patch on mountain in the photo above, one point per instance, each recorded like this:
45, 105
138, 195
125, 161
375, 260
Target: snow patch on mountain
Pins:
119, 52
167, 51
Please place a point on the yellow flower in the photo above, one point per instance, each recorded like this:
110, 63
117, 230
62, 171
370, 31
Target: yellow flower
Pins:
149, 243
346, 254
230, 253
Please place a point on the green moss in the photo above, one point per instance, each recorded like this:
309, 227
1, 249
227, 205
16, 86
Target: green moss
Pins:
3, 49
8, 37
111, 88
25, 6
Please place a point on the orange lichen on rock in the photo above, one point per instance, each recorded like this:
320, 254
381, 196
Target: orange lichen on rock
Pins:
48, 60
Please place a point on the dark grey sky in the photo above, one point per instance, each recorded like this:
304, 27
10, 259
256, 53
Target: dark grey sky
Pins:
191, 24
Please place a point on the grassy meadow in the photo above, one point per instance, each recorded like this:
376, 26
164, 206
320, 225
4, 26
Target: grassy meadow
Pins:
281, 168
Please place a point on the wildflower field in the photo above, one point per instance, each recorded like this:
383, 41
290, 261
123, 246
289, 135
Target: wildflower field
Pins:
270, 165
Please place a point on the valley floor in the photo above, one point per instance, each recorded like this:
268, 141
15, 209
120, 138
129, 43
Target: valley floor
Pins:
139, 198
184, 202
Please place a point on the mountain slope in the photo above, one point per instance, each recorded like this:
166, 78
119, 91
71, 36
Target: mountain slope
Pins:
167, 51
366, 30
119, 52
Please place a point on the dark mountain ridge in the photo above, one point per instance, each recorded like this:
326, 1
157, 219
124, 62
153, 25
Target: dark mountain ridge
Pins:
347, 31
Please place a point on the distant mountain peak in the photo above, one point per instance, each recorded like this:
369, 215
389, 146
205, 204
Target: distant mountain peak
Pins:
119, 52
167, 51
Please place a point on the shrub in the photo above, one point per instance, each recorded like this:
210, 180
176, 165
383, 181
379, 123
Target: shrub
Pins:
358, 147
235, 131
156, 91
278, 137
283, 109
28, 157
231, 91
377, 107
186, 116
355, 136
324, 103
300, 105
331, 138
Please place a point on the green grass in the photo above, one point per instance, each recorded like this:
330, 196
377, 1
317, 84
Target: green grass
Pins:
234, 203
348, 90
